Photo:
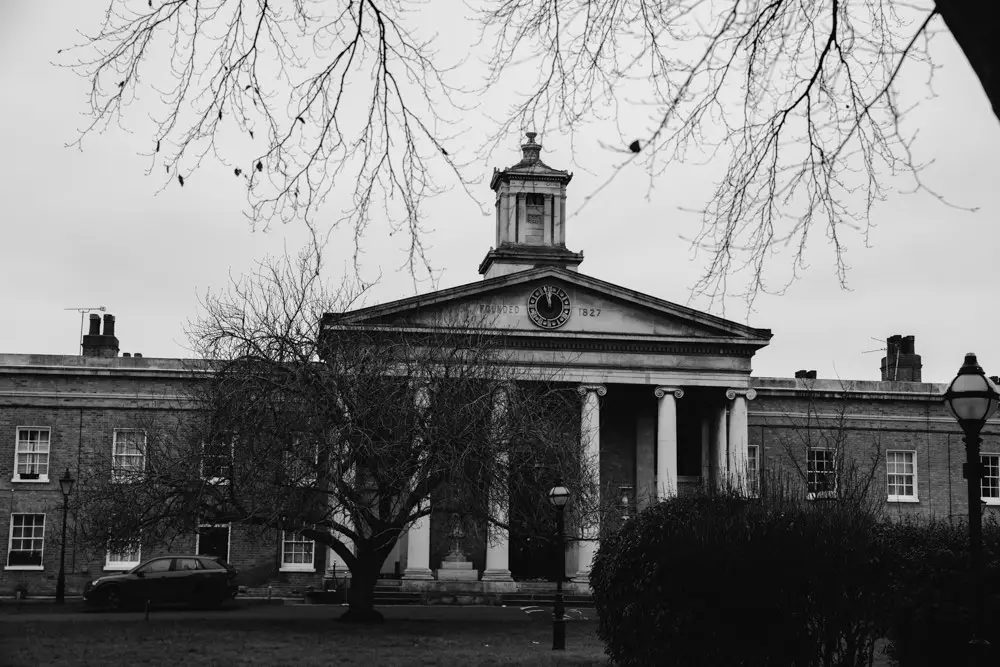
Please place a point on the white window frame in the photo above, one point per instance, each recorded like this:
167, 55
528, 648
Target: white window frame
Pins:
817, 495
753, 474
42, 478
121, 473
297, 538
10, 543
897, 498
219, 480
986, 465
121, 564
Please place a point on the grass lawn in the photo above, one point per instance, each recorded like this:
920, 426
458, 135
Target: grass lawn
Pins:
292, 639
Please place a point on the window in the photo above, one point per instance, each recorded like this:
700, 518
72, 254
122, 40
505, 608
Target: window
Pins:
187, 564
753, 470
27, 540
31, 460
158, 565
901, 480
123, 560
128, 455
217, 461
300, 463
297, 553
821, 474
990, 482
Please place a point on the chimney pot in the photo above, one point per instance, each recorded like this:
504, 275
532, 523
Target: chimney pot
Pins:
109, 325
138, 355
95, 325
801, 375
126, 355
811, 375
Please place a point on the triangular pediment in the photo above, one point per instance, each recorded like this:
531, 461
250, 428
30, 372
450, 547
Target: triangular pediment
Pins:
552, 302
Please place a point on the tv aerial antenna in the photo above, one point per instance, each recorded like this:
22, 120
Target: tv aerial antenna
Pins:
885, 350
83, 312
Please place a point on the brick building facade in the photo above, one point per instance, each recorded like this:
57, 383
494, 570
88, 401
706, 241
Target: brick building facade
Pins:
668, 404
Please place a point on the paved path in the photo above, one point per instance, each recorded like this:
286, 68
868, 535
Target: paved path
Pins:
41, 612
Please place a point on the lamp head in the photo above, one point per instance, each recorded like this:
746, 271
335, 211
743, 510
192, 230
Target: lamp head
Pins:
559, 496
66, 483
971, 398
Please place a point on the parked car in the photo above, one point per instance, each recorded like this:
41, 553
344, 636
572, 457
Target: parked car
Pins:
200, 580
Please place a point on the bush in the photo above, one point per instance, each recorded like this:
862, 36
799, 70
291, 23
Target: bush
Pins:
727, 580
930, 623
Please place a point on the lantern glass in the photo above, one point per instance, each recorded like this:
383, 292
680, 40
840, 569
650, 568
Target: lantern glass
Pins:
66, 483
971, 397
559, 496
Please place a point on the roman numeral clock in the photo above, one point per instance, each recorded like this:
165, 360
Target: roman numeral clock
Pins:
549, 306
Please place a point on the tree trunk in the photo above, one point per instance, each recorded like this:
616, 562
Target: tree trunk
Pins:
973, 24
361, 597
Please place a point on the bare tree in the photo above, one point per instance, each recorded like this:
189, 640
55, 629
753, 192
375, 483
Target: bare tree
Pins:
342, 433
800, 98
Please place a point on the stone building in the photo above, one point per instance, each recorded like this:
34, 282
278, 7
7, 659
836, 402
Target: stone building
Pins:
667, 403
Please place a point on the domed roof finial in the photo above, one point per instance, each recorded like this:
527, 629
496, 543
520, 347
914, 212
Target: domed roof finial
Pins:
531, 150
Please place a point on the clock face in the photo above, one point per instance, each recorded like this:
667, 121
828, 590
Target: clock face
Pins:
549, 307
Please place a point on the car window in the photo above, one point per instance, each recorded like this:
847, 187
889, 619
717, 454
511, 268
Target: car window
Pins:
187, 564
210, 564
158, 565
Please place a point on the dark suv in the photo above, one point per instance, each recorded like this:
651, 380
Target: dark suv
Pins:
201, 580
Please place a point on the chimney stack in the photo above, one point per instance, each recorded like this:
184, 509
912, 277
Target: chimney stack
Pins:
901, 363
805, 375
96, 344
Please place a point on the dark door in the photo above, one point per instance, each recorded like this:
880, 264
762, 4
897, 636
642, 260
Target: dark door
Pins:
214, 541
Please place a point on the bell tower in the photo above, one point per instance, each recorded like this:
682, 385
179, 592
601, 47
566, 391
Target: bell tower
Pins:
530, 216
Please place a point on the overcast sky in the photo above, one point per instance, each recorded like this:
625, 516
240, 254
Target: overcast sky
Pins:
86, 229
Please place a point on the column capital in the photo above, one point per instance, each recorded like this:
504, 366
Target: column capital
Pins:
584, 389
749, 394
663, 391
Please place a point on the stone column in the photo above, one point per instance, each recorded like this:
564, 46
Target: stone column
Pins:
418, 549
720, 450
590, 436
418, 543
498, 539
738, 435
666, 441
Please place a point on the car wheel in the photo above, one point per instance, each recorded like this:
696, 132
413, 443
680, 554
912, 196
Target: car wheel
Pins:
113, 599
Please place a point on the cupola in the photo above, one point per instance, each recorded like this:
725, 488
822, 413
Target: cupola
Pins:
530, 216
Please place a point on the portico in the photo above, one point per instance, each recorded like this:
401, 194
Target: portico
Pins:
663, 388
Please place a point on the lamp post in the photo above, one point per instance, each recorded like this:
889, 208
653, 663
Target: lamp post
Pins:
558, 496
971, 398
66, 486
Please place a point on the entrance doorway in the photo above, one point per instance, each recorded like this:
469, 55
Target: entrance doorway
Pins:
213, 540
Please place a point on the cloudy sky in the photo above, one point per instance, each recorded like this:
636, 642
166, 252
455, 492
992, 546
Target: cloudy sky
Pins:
88, 228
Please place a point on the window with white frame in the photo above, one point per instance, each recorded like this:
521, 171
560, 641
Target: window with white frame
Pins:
901, 475
128, 455
753, 469
990, 481
297, 552
821, 472
31, 458
27, 541
217, 461
123, 560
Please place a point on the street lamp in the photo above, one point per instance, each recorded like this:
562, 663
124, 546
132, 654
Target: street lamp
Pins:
971, 398
559, 496
66, 486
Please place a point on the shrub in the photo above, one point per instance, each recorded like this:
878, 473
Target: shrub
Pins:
932, 617
727, 580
